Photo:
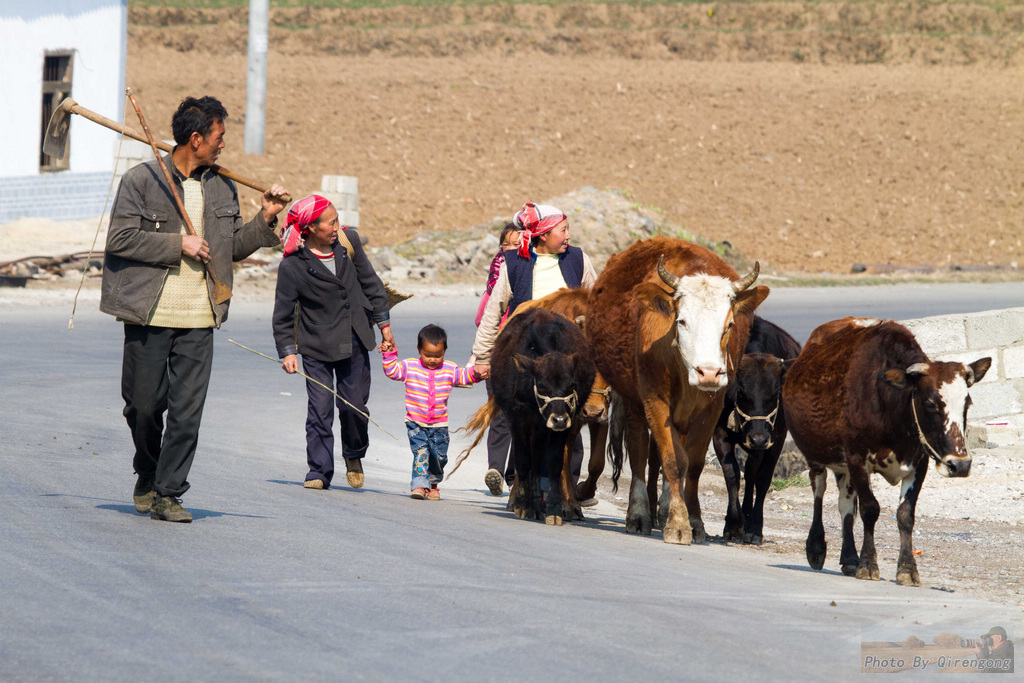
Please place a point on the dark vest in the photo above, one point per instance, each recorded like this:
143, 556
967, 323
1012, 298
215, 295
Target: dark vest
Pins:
520, 274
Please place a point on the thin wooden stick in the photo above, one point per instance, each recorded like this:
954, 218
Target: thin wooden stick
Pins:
298, 372
221, 292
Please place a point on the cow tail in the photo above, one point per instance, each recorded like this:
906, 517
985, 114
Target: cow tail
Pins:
616, 436
478, 423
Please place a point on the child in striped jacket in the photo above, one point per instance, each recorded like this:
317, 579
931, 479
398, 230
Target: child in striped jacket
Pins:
428, 380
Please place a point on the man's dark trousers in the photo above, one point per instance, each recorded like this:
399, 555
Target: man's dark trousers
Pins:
353, 384
165, 369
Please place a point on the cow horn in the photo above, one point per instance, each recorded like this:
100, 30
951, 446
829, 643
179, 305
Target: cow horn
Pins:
669, 279
918, 369
748, 279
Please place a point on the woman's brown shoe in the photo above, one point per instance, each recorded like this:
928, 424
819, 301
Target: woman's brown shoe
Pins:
354, 473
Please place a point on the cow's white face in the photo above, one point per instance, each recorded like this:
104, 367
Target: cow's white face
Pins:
940, 408
954, 395
703, 317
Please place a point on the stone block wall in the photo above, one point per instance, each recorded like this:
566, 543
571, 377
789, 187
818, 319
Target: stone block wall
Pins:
343, 192
995, 415
58, 196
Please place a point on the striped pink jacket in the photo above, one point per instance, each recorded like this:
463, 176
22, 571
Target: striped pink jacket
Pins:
427, 391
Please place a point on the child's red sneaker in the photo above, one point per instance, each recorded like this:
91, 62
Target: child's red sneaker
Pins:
434, 494
418, 494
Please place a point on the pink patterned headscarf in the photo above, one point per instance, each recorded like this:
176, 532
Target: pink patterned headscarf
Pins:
533, 220
303, 214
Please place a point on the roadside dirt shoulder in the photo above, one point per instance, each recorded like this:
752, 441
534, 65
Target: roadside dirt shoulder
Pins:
969, 532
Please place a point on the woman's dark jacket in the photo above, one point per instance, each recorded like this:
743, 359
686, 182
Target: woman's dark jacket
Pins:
330, 307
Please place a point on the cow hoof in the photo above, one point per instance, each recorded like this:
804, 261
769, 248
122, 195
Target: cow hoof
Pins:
585, 490
678, 535
850, 569
735, 534
697, 533
905, 578
868, 573
573, 513
816, 557
752, 538
519, 512
638, 525
553, 520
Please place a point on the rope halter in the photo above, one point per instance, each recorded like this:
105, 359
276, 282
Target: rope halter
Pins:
769, 418
920, 434
543, 401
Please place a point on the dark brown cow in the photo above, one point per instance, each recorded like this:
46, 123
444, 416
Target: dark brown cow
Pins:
668, 322
572, 304
863, 397
541, 366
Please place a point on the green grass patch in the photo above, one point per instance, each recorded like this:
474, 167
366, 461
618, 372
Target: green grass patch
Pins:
789, 482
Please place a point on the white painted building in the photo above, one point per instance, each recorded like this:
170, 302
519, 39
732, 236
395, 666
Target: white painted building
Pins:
50, 49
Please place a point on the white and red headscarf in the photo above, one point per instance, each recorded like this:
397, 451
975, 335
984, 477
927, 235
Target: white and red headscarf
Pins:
303, 214
533, 220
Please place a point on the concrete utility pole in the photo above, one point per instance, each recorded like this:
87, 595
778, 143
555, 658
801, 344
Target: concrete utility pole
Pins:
256, 77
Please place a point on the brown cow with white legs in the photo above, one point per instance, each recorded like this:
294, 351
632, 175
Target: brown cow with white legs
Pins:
863, 397
668, 321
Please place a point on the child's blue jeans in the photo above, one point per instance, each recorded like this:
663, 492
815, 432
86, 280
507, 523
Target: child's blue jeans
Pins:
429, 454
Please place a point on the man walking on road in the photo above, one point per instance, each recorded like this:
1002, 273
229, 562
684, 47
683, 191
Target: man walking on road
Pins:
155, 282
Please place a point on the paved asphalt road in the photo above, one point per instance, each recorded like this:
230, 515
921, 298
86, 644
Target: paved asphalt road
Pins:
274, 582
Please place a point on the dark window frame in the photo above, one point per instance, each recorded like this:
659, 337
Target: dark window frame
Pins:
58, 67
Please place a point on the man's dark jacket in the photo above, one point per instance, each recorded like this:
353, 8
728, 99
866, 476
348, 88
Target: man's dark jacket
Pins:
331, 307
144, 239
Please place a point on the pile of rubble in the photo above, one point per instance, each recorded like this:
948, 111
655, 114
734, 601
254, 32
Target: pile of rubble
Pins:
602, 222
18, 272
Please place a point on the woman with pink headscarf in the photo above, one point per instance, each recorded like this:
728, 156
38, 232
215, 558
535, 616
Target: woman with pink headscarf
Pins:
543, 263
339, 298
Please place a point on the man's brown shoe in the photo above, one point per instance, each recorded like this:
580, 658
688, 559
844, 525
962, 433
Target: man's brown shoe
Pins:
354, 475
144, 502
313, 484
169, 509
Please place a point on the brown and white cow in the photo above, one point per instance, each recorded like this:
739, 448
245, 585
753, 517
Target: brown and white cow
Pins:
668, 321
863, 397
